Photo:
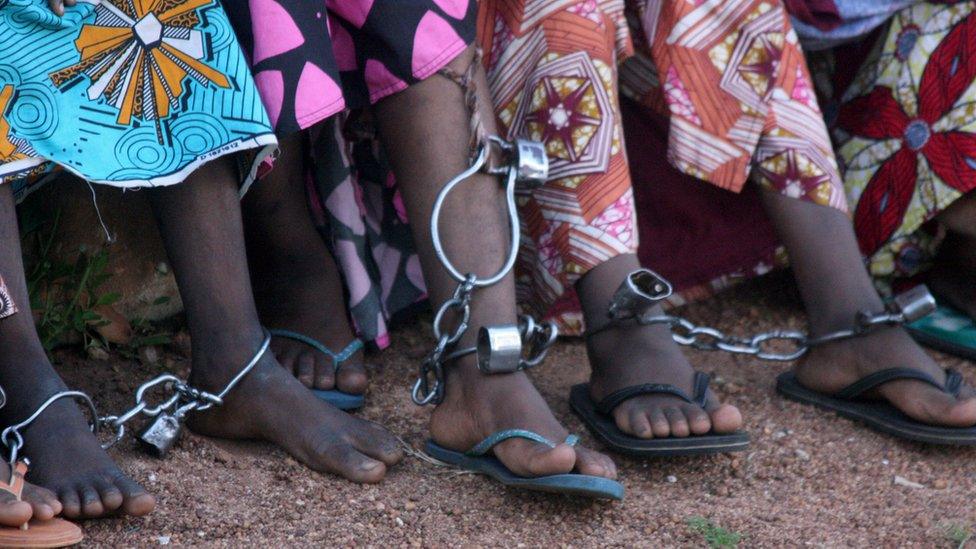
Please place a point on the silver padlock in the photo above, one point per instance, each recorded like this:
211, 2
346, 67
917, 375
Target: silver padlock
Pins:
915, 303
499, 349
159, 434
533, 163
638, 293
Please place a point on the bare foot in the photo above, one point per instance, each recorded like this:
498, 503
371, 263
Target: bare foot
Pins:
68, 460
629, 355
35, 503
477, 405
271, 404
829, 368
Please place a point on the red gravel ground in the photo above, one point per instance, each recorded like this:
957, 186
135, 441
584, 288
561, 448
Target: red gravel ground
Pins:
808, 478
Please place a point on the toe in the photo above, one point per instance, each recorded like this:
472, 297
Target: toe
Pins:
725, 418
288, 359
336, 456
324, 372
677, 421
12, 511
590, 462
305, 369
91, 502
135, 500
376, 442
659, 423
43, 501
532, 459
70, 503
110, 495
930, 405
638, 424
698, 421
352, 378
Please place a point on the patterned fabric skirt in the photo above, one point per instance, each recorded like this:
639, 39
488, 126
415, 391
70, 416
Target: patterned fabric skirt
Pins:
735, 98
311, 60
725, 87
121, 93
905, 128
561, 58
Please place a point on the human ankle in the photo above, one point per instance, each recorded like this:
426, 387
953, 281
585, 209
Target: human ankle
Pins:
217, 360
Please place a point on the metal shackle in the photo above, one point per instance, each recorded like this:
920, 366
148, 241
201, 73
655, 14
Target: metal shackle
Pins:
914, 304
638, 293
532, 163
499, 349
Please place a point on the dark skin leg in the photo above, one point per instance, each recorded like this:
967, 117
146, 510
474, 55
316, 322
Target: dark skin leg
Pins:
633, 355
951, 277
834, 286
66, 459
200, 221
296, 279
425, 131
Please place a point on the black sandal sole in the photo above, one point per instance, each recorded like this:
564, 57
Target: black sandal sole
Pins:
607, 432
878, 415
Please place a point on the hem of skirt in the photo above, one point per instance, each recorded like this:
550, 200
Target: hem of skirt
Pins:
12, 169
252, 174
267, 142
445, 57
317, 116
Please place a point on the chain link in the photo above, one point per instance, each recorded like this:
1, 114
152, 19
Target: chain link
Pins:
12, 438
182, 398
706, 338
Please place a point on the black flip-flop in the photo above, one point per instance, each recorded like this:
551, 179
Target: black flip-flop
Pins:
879, 414
598, 419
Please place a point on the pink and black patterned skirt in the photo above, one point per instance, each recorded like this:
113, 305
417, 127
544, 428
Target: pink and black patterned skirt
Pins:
312, 60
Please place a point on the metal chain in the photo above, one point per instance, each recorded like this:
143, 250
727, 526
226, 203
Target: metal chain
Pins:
521, 163
525, 163
12, 438
183, 398
905, 308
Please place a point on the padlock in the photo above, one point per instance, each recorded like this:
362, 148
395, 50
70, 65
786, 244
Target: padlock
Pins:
159, 434
499, 349
914, 304
638, 293
533, 163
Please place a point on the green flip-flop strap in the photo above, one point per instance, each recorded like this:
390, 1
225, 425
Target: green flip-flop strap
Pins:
337, 358
494, 439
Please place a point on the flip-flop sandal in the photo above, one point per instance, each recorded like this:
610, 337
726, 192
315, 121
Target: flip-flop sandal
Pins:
335, 397
36, 533
946, 330
879, 414
599, 420
478, 460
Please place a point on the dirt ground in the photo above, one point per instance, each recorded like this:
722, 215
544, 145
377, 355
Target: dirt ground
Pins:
808, 478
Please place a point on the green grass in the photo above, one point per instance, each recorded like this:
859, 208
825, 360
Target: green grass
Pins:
714, 535
65, 295
958, 534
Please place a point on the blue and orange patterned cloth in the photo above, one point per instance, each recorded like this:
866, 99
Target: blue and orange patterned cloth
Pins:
130, 93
